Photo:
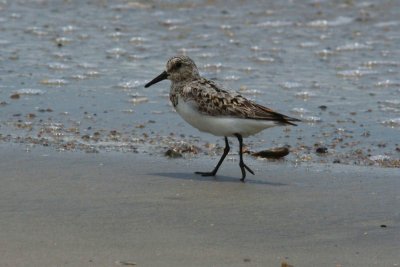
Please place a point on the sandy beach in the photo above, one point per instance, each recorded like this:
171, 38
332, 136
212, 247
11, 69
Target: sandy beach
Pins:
120, 209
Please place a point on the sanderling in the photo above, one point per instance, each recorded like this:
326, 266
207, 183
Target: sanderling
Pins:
210, 108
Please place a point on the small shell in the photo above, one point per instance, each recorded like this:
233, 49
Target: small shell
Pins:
274, 153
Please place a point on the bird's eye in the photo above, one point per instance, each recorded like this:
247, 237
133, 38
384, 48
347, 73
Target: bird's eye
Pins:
178, 65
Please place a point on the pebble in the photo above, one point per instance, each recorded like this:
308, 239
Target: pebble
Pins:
172, 154
15, 96
322, 107
321, 150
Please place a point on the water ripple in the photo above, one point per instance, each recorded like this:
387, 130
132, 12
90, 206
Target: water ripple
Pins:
392, 122
339, 21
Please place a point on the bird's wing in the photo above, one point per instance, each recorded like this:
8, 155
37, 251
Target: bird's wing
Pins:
210, 99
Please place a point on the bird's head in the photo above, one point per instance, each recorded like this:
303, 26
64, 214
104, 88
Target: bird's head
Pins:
178, 69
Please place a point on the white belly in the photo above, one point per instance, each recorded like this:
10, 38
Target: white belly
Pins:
221, 126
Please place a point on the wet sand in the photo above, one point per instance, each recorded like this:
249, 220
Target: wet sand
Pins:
116, 209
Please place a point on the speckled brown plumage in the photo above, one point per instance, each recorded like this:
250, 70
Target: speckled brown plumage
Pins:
211, 100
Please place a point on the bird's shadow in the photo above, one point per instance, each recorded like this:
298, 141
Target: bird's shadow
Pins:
217, 178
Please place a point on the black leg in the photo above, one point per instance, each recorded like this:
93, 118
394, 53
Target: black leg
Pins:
213, 172
243, 167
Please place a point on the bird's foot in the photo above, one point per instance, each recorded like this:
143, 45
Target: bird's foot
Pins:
206, 173
243, 168
248, 168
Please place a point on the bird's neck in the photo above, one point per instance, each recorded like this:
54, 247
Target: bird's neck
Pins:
175, 91
177, 88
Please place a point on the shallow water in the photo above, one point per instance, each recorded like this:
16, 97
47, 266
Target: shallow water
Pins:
72, 73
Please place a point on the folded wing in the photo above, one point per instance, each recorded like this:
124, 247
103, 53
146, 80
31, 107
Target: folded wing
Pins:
211, 100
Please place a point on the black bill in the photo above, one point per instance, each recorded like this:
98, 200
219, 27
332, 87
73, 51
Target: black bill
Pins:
157, 79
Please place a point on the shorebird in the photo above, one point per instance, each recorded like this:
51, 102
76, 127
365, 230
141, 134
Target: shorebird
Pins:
210, 108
